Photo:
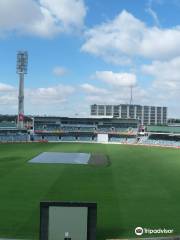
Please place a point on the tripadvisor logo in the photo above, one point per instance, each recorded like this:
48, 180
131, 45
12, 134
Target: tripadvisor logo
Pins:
140, 231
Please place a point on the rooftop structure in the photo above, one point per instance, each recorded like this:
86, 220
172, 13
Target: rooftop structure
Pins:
148, 115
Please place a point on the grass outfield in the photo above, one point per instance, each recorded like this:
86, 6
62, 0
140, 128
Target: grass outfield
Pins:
141, 187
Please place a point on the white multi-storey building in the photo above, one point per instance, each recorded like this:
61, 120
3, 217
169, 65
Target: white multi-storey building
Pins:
148, 115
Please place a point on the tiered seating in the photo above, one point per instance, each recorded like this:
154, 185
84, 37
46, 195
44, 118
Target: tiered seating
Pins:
163, 129
84, 128
115, 139
87, 129
6, 138
37, 138
20, 138
123, 140
131, 140
85, 138
6, 125
103, 130
125, 130
52, 138
14, 138
69, 129
68, 138
48, 128
160, 142
142, 139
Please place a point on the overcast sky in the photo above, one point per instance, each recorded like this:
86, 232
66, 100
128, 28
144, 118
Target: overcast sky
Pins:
90, 51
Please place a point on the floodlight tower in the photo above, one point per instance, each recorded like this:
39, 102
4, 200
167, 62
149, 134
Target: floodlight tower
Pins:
22, 61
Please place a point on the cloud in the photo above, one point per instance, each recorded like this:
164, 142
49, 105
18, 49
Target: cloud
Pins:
120, 40
44, 18
59, 71
116, 79
116, 88
54, 100
6, 88
41, 100
69, 12
50, 95
165, 86
116, 96
154, 15
8, 101
151, 12
90, 89
166, 74
8, 98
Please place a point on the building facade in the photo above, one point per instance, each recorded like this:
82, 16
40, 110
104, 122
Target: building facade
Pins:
148, 115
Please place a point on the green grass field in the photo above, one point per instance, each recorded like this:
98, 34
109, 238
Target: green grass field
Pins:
141, 187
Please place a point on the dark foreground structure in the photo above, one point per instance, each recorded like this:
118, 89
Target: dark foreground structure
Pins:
68, 220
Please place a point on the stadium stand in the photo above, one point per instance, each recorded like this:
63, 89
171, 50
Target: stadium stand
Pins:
14, 137
87, 128
125, 140
68, 138
82, 129
37, 138
7, 125
160, 142
52, 138
169, 138
86, 139
58, 129
164, 129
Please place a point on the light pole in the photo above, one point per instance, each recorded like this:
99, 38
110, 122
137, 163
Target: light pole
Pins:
22, 61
